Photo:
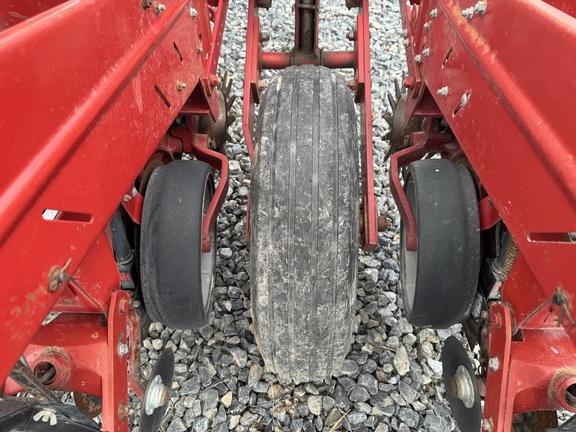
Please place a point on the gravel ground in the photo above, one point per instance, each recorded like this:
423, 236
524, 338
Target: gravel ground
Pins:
391, 380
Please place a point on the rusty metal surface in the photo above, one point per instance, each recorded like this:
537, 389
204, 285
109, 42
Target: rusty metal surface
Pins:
24, 377
88, 404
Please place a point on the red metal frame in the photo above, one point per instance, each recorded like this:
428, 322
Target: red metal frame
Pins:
513, 125
359, 59
103, 82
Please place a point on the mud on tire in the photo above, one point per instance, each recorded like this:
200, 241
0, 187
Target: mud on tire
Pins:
304, 224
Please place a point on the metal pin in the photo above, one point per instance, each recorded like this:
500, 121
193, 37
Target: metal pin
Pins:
464, 99
442, 91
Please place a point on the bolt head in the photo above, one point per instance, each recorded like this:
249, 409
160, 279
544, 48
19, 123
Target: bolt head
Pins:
442, 91
468, 13
418, 58
159, 8
480, 7
214, 80
409, 82
122, 349
123, 411
126, 198
199, 50
426, 52
427, 25
434, 13
494, 364
180, 86
57, 277
193, 12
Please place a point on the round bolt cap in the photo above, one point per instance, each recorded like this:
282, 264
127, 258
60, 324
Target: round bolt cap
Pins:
480, 7
442, 91
468, 13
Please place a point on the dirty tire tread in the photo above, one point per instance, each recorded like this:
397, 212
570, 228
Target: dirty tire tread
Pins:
304, 224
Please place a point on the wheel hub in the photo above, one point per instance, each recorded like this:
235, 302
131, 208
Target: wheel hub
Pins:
156, 396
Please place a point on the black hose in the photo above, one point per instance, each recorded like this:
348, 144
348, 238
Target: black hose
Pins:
122, 249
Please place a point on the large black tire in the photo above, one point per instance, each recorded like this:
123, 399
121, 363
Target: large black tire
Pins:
304, 224
440, 278
177, 278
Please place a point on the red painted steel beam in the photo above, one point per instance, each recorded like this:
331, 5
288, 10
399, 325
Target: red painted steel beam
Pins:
251, 75
363, 96
329, 59
83, 339
515, 126
100, 81
115, 403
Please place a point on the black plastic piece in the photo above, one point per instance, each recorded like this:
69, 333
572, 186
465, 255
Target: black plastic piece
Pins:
123, 252
17, 415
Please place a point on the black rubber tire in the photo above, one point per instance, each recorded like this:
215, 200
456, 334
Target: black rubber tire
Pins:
304, 224
176, 199
440, 287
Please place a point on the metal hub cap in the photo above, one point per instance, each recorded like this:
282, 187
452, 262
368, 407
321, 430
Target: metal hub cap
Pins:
207, 259
462, 387
157, 395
